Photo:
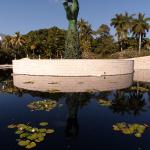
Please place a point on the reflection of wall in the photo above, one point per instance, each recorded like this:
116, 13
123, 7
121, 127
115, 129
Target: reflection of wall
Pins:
142, 75
72, 84
72, 67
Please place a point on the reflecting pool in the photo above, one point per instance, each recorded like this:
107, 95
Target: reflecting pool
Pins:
80, 112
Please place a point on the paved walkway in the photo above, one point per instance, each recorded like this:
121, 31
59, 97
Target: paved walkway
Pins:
6, 66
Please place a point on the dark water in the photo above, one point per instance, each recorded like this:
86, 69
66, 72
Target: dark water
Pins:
79, 121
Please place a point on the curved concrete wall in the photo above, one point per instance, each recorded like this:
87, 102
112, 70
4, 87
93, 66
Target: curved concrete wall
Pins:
72, 67
72, 84
142, 75
141, 62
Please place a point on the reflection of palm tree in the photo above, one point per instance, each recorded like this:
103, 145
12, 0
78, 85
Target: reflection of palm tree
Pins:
119, 103
136, 103
131, 102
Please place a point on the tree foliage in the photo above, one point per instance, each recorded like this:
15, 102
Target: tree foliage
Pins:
131, 31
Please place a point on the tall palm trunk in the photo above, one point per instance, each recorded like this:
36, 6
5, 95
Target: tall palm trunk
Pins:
121, 44
140, 43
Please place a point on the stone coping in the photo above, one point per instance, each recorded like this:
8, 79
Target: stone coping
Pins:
73, 67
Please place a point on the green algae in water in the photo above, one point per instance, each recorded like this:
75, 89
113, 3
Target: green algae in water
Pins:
45, 105
29, 136
131, 129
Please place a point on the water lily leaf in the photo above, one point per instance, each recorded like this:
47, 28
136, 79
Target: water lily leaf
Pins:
40, 139
126, 131
23, 143
49, 131
29, 129
42, 130
41, 135
12, 126
31, 145
24, 135
138, 135
32, 136
34, 130
115, 128
136, 129
28, 136
18, 132
22, 126
44, 124
46, 105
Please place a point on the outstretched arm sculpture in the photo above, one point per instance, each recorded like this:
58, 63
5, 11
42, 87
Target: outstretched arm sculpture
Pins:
72, 40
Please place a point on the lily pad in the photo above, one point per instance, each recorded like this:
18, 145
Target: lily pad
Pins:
23, 143
45, 105
29, 136
24, 135
44, 124
32, 136
12, 126
40, 139
18, 132
49, 131
31, 145
42, 130
138, 135
136, 129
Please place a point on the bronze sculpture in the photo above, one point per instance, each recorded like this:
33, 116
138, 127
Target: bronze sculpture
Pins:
72, 39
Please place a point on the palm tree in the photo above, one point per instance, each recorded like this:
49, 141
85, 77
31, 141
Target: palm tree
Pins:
140, 27
7, 43
103, 30
85, 38
17, 41
122, 23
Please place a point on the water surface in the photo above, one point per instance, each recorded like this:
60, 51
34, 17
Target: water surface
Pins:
79, 121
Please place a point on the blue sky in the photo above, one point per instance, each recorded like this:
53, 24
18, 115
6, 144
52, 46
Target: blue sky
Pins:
27, 15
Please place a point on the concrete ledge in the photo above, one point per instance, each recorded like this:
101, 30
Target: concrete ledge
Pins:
72, 84
142, 75
72, 67
141, 62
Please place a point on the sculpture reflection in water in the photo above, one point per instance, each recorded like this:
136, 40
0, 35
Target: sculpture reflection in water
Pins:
74, 102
